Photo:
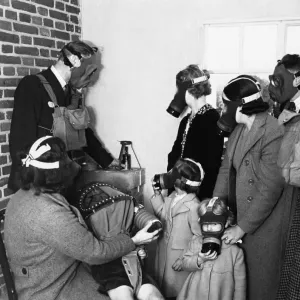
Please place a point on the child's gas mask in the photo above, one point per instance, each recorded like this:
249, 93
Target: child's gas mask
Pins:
167, 180
212, 227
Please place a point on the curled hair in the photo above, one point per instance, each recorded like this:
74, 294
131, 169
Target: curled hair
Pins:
219, 208
192, 172
236, 90
290, 62
50, 180
191, 72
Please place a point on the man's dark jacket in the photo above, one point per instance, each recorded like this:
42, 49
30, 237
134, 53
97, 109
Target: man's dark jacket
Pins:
32, 119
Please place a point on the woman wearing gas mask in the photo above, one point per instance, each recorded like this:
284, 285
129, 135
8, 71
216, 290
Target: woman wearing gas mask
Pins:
218, 269
178, 214
249, 181
198, 135
46, 238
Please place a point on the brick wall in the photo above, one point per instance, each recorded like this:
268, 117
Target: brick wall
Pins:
31, 33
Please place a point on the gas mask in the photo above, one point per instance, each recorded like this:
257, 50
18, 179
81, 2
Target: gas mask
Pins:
81, 77
178, 103
82, 69
167, 180
227, 121
212, 227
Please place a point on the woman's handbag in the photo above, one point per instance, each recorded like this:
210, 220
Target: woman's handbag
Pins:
68, 124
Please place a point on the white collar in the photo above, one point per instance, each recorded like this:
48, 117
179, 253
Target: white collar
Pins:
177, 198
296, 100
58, 77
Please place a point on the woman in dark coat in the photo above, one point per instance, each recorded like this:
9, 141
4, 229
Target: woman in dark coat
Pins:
198, 134
251, 183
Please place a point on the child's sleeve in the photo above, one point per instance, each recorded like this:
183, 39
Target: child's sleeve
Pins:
239, 276
189, 259
194, 217
157, 202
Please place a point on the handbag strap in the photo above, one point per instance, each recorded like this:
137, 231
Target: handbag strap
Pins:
48, 88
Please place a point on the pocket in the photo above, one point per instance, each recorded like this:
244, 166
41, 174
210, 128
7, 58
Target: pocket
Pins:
79, 118
181, 242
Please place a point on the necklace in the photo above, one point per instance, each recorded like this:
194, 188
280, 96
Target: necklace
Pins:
201, 111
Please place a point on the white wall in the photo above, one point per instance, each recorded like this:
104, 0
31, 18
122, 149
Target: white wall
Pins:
146, 42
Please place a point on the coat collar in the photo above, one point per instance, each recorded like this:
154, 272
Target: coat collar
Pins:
184, 205
255, 134
59, 199
286, 116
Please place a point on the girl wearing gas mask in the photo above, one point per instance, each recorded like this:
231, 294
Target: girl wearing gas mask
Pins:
178, 214
250, 183
218, 268
198, 134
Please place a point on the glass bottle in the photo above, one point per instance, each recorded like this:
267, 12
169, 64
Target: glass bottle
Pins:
126, 161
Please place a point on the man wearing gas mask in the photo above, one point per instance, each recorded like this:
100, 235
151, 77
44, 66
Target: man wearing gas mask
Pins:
250, 183
284, 89
198, 135
33, 107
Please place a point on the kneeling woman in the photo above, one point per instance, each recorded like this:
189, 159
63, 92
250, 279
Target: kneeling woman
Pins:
46, 238
250, 180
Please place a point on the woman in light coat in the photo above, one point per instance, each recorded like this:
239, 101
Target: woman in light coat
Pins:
46, 238
249, 179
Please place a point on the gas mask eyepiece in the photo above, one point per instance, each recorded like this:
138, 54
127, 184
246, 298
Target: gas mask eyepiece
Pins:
212, 227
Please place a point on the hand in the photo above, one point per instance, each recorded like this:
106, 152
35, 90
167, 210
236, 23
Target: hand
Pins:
142, 253
157, 190
145, 237
203, 257
177, 266
232, 235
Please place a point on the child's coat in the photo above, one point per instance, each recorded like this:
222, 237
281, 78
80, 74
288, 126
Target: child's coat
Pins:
180, 223
220, 279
